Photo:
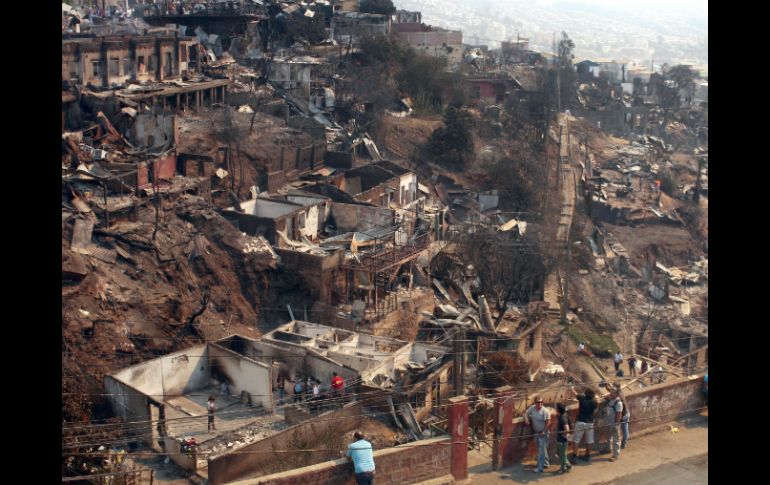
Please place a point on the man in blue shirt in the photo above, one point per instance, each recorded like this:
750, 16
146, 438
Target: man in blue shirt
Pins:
360, 451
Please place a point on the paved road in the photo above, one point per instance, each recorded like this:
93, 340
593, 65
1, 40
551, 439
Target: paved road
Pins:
659, 458
692, 471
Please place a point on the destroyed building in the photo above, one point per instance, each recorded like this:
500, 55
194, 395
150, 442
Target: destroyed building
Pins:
412, 372
350, 26
238, 371
112, 61
215, 187
381, 183
281, 220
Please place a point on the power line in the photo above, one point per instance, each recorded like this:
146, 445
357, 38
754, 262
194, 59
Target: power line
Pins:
407, 445
268, 412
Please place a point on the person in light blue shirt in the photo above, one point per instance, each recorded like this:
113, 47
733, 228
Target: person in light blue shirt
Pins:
360, 451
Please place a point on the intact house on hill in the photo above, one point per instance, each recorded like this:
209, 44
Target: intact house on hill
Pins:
491, 89
433, 41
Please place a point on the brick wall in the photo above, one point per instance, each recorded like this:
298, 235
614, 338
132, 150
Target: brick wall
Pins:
260, 457
424, 460
649, 407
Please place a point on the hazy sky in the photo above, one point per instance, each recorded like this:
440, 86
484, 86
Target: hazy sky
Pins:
699, 6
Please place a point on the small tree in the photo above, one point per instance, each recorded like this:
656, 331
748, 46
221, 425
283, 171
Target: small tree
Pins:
425, 79
382, 7
452, 144
566, 51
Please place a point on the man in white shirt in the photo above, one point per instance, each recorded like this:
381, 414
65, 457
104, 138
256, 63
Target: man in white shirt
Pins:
537, 416
618, 360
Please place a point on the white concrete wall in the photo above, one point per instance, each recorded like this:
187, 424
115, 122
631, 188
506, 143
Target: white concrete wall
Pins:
353, 361
387, 368
408, 186
321, 368
244, 374
419, 351
627, 87
304, 200
290, 358
131, 406
311, 223
267, 208
173, 374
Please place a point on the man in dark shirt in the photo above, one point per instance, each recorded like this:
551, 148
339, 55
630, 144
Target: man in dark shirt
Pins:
562, 432
584, 424
632, 366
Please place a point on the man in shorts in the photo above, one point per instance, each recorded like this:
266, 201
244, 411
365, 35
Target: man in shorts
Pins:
584, 424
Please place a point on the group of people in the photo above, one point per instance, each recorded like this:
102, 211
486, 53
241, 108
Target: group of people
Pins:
617, 415
308, 389
632, 364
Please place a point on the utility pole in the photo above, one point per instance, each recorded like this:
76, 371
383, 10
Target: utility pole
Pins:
565, 285
457, 366
558, 160
463, 362
558, 87
697, 180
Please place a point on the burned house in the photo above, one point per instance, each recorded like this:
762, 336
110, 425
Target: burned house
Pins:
349, 26
239, 372
114, 60
415, 373
382, 183
301, 78
518, 52
281, 220
406, 16
114, 172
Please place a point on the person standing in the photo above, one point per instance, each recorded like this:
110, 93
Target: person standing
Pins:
338, 385
645, 367
562, 437
614, 417
298, 388
618, 360
211, 408
360, 452
584, 424
632, 366
537, 416
316, 389
280, 384
706, 388
624, 424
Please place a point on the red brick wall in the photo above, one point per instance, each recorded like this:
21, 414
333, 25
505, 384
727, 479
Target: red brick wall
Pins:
419, 461
165, 168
